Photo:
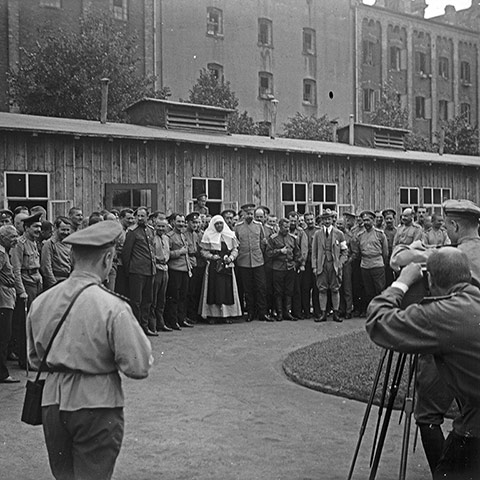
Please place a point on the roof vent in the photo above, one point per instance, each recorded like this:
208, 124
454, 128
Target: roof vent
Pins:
178, 115
374, 136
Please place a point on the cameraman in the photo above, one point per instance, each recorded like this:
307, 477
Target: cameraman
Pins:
445, 325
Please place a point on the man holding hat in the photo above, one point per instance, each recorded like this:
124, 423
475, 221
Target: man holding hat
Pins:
329, 253
250, 262
83, 400
28, 281
373, 250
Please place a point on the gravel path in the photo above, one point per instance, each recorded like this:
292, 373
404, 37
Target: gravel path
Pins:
217, 405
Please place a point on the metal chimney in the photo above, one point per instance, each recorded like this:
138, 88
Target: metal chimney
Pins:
104, 107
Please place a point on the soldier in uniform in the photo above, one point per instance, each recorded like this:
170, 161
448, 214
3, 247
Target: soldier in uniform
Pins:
445, 325
283, 250
8, 239
229, 217
76, 217
436, 235
408, 231
308, 287
379, 220
421, 217
127, 220
329, 253
82, 405
25, 259
269, 231
138, 258
346, 292
250, 262
6, 217
198, 265
201, 205
179, 274
373, 251
389, 230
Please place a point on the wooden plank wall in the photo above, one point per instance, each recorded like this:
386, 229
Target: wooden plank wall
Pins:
80, 168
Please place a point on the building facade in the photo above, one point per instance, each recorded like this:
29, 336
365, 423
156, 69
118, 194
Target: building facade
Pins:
433, 64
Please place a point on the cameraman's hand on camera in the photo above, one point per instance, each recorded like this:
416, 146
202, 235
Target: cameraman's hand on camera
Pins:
411, 274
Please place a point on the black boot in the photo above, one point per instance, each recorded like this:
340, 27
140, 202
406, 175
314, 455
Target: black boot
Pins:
288, 305
432, 440
279, 308
323, 317
336, 317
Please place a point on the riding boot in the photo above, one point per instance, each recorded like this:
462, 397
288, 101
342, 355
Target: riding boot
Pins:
288, 305
279, 307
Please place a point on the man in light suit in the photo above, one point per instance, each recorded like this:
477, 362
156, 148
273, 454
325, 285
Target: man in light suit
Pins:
329, 253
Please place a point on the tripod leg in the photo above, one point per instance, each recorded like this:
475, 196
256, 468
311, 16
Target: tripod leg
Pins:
388, 413
382, 402
367, 411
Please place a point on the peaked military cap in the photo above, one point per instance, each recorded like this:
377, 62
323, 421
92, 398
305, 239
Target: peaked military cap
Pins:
247, 206
389, 210
349, 214
228, 210
201, 195
6, 213
461, 207
367, 212
265, 209
99, 234
192, 216
32, 219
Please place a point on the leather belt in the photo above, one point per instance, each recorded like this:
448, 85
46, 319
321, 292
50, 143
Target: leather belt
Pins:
70, 370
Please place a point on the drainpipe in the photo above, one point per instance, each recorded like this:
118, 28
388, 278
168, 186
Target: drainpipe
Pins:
351, 131
104, 107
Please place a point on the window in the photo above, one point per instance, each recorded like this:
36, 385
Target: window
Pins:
131, 195
419, 107
265, 32
434, 197
294, 197
214, 21
368, 100
324, 195
265, 89
29, 189
421, 63
368, 52
395, 58
310, 92
217, 71
51, 3
309, 42
409, 196
119, 9
465, 73
465, 112
443, 67
213, 188
443, 110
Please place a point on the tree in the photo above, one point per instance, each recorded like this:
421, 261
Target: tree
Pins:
308, 128
461, 138
389, 111
61, 76
419, 143
209, 90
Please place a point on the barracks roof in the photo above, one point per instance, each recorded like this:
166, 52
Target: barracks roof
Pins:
90, 128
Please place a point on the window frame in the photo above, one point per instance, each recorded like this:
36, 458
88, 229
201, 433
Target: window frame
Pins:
443, 110
211, 30
410, 203
434, 206
119, 12
420, 112
297, 205
368, 100
395, 60
262, 93
368, 52
217, 70
27, 197
262, 21
312, 84
465, 73
110, 188
318, 205
421, 61
210, 201
443, 67
313, 41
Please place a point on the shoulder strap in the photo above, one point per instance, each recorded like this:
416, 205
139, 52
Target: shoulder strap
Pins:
57, 328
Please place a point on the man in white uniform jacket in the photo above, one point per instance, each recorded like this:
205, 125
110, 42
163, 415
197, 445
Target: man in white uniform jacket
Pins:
83, 399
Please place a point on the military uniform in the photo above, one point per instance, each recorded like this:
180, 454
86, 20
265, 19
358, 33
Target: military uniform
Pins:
160, 282
407, 234
435, 238
55, 263
198, 265
82, 397
302, 242
269, 231
283, 266
250, 262
138, 257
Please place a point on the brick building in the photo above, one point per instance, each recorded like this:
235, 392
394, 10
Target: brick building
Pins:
20, 21
434, 64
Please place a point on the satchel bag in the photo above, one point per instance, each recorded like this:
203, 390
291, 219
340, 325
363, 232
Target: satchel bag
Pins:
32, 405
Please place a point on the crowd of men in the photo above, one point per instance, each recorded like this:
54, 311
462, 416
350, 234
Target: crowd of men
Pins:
292, 268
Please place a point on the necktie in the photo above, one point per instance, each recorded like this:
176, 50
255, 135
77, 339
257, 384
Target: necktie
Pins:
326, 232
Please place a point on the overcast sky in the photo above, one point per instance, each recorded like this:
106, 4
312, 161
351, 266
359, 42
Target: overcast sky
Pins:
437, 7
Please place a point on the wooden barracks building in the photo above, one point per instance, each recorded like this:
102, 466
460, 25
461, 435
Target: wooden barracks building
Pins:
170, 152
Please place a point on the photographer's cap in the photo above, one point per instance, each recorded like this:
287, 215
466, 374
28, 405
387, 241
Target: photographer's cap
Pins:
99, 234
461, 207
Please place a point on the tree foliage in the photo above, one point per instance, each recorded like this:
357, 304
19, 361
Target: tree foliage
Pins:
461, 138
308, 127
419, 143
61, 76
389, 111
